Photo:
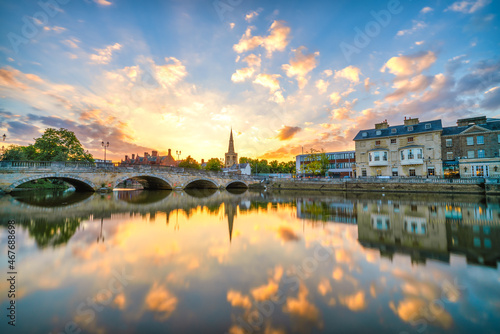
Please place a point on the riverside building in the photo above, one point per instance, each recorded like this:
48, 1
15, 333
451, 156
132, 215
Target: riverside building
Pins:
409, 150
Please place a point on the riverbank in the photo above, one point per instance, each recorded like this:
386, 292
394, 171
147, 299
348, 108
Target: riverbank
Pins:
463, 186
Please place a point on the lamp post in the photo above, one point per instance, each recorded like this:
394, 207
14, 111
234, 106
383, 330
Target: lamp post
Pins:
100, 238
3, 148
178, 154
105, 145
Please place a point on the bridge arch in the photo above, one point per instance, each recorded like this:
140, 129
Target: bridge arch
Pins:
236, 184
201, 183
79, 183
152, 181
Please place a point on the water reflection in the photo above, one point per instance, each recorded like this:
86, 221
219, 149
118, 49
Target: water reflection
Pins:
215, 261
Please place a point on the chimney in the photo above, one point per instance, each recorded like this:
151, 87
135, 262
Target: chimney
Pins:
383, 125
146, 154
169, 152
202, 161
126, 158
411, 121
133, 156
154, 153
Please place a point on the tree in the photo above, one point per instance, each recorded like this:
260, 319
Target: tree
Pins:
318, 165
214, 164
189, 163
274, 166
53, 145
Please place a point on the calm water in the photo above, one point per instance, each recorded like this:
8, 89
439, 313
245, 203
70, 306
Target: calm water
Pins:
217, 262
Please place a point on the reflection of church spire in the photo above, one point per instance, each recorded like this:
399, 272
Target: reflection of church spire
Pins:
230, 211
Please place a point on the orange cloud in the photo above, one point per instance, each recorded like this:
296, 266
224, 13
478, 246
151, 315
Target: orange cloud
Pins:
322, 86
239, 300
300, 66
242, 74
269, 81
406, 86
350, 73
265, 292
161, 301
355, 302
409, 65
301, 307
287, 132
324, 287
103, 56
252, 60
277, 40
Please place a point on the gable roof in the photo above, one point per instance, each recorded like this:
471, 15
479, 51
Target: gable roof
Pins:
401, 130
456, 130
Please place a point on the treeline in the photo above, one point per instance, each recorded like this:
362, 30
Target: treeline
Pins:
263, 166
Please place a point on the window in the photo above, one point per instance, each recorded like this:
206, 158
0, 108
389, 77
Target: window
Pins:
480, 140
410, 128
499, 138
379, 172
410, 154
419, 154
376, 156
412, 171
410, 139
480, 153
428, 126
470, 141
369, 157
470, 154
430, 171
377, 142
449, 155
384, 156
394, 131
379, 132
402, 155
364, 134
449, 142
363, 172
394, 172
393, 141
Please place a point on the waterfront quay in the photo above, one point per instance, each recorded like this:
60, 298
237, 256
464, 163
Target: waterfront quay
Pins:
486, 186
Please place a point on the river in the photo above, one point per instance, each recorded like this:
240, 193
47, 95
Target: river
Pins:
210, 261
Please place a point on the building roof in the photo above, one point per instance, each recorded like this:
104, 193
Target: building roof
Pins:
401, 130
455, 130
239, 166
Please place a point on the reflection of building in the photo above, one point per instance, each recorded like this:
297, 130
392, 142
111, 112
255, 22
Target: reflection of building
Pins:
412, 149
244, 169
327, 211
479, 243
340, 162
231, 157
416, 230
472, 148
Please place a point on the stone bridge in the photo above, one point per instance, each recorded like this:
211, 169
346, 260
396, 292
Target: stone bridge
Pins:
89, 177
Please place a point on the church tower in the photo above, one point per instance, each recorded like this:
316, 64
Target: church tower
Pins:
231, 157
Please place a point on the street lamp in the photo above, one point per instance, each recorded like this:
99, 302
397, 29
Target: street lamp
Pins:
105, 146
178, 154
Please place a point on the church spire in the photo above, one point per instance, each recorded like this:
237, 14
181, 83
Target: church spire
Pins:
231, 143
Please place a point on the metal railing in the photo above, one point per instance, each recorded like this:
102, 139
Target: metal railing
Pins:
436, 180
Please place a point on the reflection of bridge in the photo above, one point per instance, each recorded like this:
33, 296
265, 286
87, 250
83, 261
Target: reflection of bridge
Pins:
87, 177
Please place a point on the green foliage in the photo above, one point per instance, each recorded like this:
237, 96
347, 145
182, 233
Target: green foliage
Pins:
53, 145
214, 164
262, 166
189, 163
318, 163
45, 184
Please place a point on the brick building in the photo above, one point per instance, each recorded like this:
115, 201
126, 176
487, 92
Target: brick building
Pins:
341, 163
151, 159
472, 148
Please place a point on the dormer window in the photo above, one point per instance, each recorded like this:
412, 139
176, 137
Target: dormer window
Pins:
394, 130
364, 134
428, 126
379, 132
410, 128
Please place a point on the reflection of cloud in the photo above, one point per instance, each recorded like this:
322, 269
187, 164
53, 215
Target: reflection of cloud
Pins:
338, 273
324, 286
161, 301
287, 234
265, 291
120, 301
238, 300
301, 307
412, 309
355, 302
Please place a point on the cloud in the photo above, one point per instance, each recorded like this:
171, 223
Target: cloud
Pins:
301, 307
54, 28
406, 86
417, 25
426, 10
335, 98
350, 73
409, 65
103, 2
252, 15
277, 40
252, 60
269, 81
238, 300
265, 292
19, 129
300, 66
242, 74
491, 99
285, 233
324, 286
355, 302
337, 274
468, 7
419, 42
322, 86
72, 42
103, 56
161, 301
368, 84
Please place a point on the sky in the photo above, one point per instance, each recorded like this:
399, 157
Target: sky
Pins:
285, 76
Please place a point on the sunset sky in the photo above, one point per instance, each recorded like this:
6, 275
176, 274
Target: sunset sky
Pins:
154, 75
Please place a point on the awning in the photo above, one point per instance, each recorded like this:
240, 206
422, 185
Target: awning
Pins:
450, 163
